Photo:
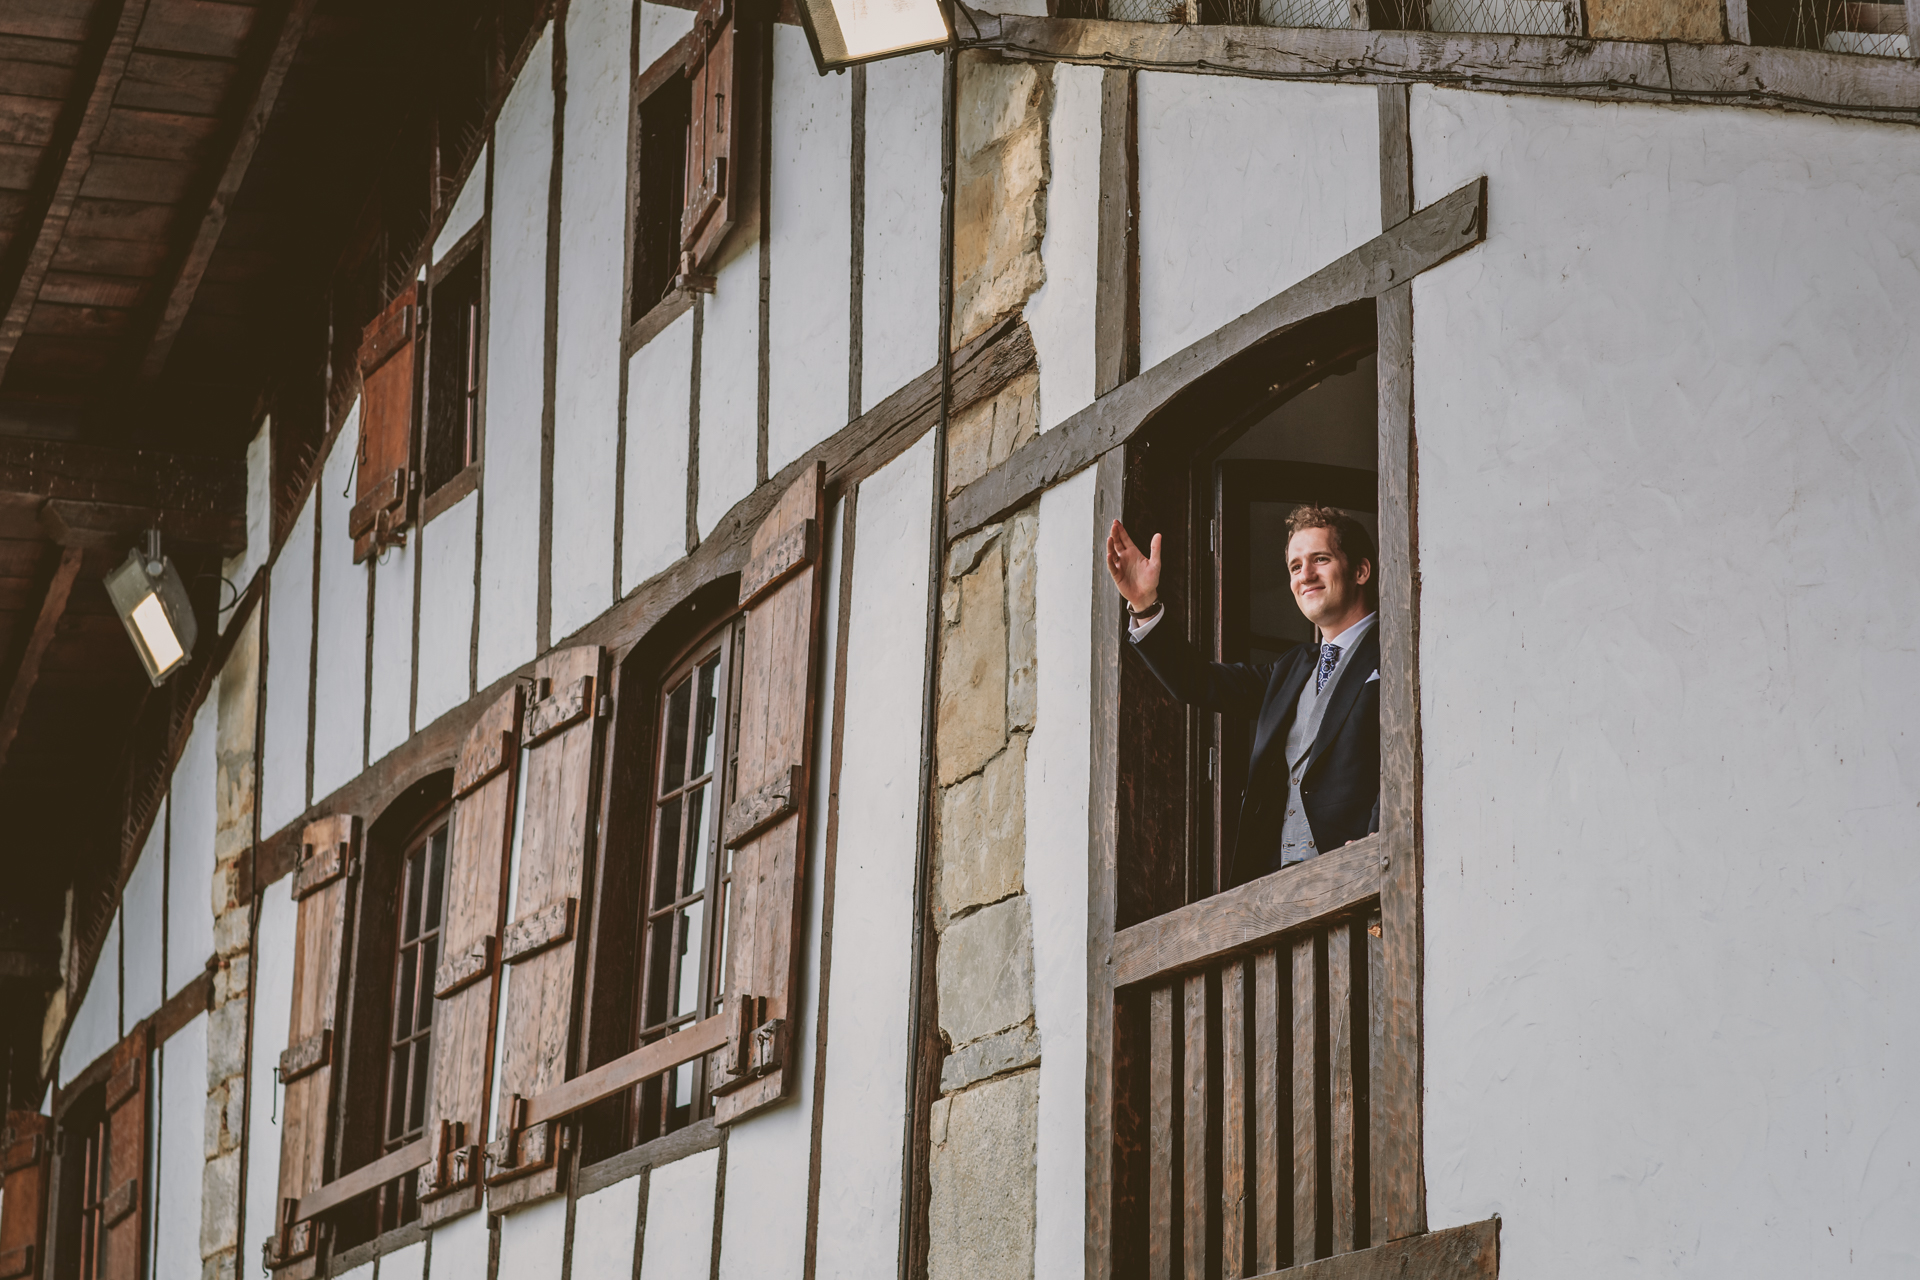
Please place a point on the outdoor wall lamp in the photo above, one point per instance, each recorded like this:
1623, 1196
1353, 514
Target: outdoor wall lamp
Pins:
152, 603
844, 33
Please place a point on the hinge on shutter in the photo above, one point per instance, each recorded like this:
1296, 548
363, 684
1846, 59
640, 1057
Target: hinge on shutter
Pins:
292, 1241
519, 1149
758, 1043
16, 1262
692, 281
455, 1163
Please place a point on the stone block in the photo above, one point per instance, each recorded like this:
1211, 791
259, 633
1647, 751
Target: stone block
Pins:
238, 692
1021, 659
220, 1204
1698, 21
232, 932
227, 1041
983, 833
1000, 202
971, 725
1014, 1049
985, 971
985, 433
230, 979
219, 1267
980, 1215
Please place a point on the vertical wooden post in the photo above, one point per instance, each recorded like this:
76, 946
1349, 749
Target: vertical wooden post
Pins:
1116, 298
1306, 1154
1109, 1057
1233, 1119
1267, 1066
1163, 1089
1196, 1168
1397, 1177
1340, 1058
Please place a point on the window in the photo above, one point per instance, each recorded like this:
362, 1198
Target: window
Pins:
1838, 26
660, 189
683, 912
409, 1061
1506, 17
453, 371
90, 1234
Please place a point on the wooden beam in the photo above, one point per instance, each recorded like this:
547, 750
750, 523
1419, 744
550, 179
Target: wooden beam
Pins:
1444, 228
1738, 75
628, 1070
65, 167
367, 1177
1243, 919
1116, 299
247, 121
191, 487
111, 526
27, 674
1471, 1252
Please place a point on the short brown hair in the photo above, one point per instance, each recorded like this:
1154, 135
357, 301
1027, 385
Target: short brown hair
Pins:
1350, 538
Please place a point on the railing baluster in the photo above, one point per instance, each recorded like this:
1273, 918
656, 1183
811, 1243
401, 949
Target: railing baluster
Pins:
1160, 1128
1233, 1119
1305, 1122
1268, 1062
1340, 1064
1194, 1206
1376, 1065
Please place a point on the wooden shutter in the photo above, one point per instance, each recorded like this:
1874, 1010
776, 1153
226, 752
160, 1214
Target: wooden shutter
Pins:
385, 480
721, 68
26, 1159
467, 981
766, 820
123, 1206
540, 946
322, 881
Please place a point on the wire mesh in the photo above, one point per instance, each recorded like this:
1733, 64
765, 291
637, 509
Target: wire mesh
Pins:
1505, 17
1838, 26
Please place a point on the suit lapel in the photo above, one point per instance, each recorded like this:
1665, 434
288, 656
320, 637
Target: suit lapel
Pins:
1283, 695
1365, 660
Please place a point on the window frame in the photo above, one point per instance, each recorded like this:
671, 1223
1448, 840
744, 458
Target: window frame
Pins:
664, 75
418, 1041
476, 241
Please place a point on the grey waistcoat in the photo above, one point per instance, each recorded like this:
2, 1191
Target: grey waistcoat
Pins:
1296, 836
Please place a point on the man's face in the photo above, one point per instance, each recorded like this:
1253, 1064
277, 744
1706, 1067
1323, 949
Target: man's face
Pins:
1327, 588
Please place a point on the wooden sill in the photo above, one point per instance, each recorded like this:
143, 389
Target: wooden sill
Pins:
1471, 1252
464, 482
701, 1135
649, 326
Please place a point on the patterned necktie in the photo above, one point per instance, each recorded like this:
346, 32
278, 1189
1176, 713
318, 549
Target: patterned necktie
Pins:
1329, 655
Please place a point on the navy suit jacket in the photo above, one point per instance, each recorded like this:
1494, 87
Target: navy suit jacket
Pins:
1341, 785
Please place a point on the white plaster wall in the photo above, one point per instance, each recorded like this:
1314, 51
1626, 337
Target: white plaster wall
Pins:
272, 1003
340, 658
191, 810
96, 1026
516, 356
900, 296
811, 233
182, 1135
1060, 313
768, 1154
283, 749
593, 198
392, 693
468, 208
679, 1240
1670, 887
446, 610
730, 381
409, 1263
533, 1241
460, 1249
362, 1272
660, 26
1058, 760
654, 519
603, 1232
143, 922
239, 569
868, 997
1302, 187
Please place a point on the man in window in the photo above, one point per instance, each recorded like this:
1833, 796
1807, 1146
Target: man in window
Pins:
1313, 783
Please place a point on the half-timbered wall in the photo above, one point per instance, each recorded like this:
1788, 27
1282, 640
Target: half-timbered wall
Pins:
1665, 891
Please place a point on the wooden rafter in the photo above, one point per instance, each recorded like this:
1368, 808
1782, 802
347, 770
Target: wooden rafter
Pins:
52, 606
247, 122
66, 168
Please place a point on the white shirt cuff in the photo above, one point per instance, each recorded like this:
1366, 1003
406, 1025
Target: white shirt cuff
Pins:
1137, 630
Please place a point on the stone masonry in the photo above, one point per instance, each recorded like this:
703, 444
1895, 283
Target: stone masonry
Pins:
238, 693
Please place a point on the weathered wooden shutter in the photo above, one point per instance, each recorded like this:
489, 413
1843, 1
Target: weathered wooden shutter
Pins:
26, 1157
540, 947
467, 980
385, 479
322, 881
720, 67
766, 819
123, 1207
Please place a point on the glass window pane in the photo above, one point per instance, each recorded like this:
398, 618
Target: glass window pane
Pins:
703, 729
666, 843
410, 914
404, 983
436, 878
659, 960
720, 927
673, 752
683, 1085
397, 1093
692, 924
429, 961
699, 837
417, 1105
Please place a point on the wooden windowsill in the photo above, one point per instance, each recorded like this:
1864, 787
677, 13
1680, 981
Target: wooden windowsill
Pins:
649, 326
464, 482
701, 1135
387, 1242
